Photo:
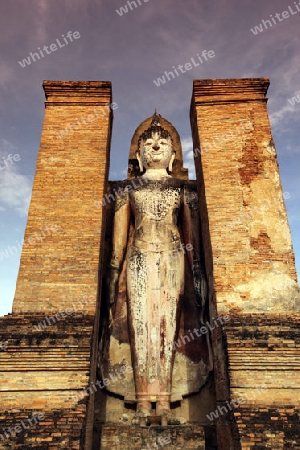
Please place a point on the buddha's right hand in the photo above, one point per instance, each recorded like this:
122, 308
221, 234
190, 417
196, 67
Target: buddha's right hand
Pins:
112, 285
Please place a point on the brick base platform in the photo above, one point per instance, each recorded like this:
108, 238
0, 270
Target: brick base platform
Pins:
42, 376
122, 437
263, 359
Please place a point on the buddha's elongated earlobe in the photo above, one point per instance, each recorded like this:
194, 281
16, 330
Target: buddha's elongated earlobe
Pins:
171, 162
138, 157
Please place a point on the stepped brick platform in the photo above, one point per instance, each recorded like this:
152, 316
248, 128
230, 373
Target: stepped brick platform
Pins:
58, 430
122, 437
43, 373
264, 368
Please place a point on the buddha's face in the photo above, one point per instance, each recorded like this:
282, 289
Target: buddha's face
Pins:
156, 152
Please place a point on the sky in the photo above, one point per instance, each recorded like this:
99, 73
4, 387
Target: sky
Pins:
132, 50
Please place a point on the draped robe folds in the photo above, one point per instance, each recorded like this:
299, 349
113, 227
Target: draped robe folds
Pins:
155, 311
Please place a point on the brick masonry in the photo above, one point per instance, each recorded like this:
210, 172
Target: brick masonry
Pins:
153, 438
238, 179
44, 372
71, 175
60, 274
249, 263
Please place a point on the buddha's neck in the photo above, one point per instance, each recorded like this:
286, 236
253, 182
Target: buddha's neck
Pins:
156, 174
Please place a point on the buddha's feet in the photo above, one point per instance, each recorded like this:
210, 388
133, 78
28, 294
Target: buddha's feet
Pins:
140, 417
167, 416
163, 407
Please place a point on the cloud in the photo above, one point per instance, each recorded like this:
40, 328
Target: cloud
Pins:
284, 113
42, 8
6, 74
15, 188
293, 149
188, 157
15, 192
118, 174
5, 147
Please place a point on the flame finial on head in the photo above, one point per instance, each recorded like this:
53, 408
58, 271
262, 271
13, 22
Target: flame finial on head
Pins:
155, 127
155, 119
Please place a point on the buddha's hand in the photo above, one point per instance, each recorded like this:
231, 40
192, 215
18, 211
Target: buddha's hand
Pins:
200, 283
112, 285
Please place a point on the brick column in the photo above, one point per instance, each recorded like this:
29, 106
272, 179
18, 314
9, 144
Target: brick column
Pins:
251, 243
60, 257
52, 335
248, 252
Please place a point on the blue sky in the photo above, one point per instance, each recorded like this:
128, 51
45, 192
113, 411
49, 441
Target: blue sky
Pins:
132, 50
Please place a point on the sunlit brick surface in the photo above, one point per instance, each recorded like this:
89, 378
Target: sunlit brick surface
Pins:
51, 339
62, 266
239, 182
250, 266
44, 372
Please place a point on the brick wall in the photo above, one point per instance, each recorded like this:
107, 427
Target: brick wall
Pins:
237, 172
60, 273
45, 372
60, 256
264, 368
249, 263
150, 438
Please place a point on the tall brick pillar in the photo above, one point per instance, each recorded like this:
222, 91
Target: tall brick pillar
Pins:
249, 263
60, 257
51, 336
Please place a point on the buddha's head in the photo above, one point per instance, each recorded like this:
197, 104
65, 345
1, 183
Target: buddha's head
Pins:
155, 147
